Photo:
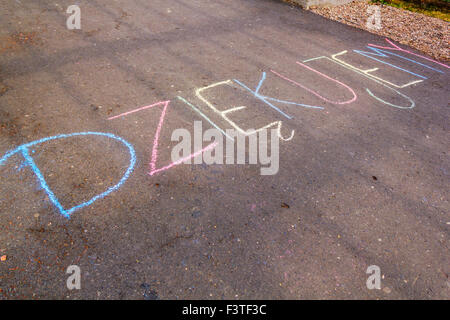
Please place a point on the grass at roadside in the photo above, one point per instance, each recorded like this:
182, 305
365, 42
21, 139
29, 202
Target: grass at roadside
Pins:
441, 12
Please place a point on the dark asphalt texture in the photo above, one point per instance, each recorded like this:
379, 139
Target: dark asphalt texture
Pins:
361, 183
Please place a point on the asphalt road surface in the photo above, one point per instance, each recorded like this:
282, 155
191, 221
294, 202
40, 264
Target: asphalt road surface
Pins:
363, 182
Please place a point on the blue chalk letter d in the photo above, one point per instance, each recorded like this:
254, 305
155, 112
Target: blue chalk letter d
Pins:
24, 150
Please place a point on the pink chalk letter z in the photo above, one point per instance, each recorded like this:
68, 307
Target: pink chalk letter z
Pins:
154, 158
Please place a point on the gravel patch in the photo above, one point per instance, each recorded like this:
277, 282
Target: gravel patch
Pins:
426, 34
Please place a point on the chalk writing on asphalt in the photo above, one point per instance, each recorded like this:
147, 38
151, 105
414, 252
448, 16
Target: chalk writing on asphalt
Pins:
378, 53
24, 150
